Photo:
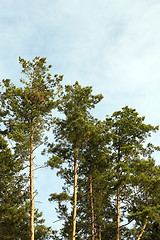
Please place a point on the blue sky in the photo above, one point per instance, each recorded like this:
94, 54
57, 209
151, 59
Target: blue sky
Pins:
113, 45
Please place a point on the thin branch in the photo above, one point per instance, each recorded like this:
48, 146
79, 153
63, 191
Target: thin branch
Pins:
68, 179
129, 203
38, 146
38, 202
10, 142
57, 220
39, 168
26, 166
66, 176
126, 224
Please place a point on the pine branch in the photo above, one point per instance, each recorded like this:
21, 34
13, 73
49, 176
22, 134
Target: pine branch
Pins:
126, 223
39, 168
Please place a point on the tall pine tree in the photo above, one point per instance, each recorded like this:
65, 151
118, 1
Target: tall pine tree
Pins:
29, 112
129, 133
73, 131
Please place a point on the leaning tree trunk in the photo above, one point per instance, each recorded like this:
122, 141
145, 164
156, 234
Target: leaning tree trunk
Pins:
31, 189
75, 196
146, 221
143, 229
92, 207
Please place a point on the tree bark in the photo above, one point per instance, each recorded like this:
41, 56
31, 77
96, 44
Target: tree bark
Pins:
118, 199
145, 224
143, 229
74, 196
118, 214
99, 232
31, 189
92, 208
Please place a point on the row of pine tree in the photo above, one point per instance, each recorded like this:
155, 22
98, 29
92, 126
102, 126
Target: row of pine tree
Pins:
111, 182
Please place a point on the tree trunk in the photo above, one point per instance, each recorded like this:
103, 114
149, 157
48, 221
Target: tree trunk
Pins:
75, 196
92, 208
145, 224
143, 229
118, 214
31, 189
118, 199
99, 232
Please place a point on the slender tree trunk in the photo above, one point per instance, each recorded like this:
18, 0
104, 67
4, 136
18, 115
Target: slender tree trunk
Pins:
99, 232
143, 229
118, 199
118, 214
31, 189
146, 221
92, 207
75, 196
97, 235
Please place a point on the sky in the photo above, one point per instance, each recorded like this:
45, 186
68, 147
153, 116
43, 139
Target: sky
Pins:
112, 45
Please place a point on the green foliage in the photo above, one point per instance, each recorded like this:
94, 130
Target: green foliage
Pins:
75, 105
31, 105
27, 112
117, 144
59, 197
12, 198
113, 158
71, 135
129, 133
14, 195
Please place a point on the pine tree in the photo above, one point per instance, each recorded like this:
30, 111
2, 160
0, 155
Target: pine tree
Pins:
94, 174
29, 110
14, 196
73, 131
11, 195
145, 199
129, 133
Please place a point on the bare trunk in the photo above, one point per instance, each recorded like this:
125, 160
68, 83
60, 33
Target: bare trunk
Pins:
31, 189
143, 229
118, 199
118, 214
75, 196
92, 208
145, 224
99, 232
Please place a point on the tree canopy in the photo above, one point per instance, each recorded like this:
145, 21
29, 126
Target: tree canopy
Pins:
111, 179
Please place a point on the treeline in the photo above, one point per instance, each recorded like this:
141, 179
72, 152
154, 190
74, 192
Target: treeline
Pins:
111, 182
